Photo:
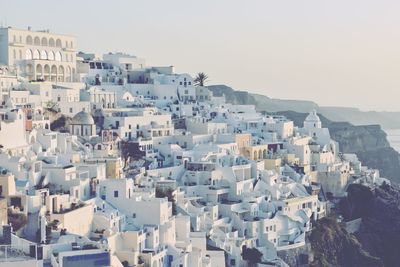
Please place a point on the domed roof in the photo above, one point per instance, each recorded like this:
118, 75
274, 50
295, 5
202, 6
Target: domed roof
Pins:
82, 118
313, 116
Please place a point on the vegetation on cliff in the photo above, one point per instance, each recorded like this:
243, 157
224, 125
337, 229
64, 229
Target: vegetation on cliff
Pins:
332, 245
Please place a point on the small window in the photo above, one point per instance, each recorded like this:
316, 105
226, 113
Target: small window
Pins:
116, 193
134, 215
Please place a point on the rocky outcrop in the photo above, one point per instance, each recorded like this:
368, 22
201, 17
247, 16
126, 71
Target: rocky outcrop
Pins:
379, 209
332, 245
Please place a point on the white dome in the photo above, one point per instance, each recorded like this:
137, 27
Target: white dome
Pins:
82, 118
313, 117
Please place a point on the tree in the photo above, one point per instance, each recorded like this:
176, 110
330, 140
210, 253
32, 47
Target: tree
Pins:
17, 220
201, 79
251, 255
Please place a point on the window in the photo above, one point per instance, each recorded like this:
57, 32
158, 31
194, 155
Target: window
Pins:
70, 110
134, 215
116, 193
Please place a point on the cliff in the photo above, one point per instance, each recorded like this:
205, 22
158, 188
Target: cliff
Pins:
388, 120
379, 209
332, 245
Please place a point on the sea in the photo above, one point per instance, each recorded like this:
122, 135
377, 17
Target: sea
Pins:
393, 136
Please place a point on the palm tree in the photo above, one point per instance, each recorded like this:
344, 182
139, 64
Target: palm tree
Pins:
201, 79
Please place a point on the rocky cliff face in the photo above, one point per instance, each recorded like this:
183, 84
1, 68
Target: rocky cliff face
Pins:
379, 209
332, 245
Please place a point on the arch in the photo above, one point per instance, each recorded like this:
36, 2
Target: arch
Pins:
264, 153
46, 126
60, 73
20, 54
61, 70
46, 68
58, 43
68, 76
29, 40
46, 72
255, 155
43, 55
66, 57
39, 71
14, 54
36, 54
58, 56
260, 154
53, 73
44, 41
51, 42
54, 70
50, 55
36, 41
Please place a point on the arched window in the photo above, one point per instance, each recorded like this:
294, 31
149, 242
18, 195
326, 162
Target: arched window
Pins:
29, 39
39, 69
54, 70
36, 41
43, 55
61, 70
66, 57
50, 55
36, 54
46, 69
20, 54
58, 43
51, 42
44, 41
58, 56
14, 54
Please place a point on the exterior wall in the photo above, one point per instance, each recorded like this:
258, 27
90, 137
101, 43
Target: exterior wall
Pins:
7, 81
78, 221
3, 211
13, 126
273, 164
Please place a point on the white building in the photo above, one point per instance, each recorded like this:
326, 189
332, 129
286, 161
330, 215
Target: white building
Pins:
39, 55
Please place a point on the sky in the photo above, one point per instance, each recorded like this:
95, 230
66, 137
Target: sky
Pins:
336, 53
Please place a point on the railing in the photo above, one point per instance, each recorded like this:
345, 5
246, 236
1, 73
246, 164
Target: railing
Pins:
13, 253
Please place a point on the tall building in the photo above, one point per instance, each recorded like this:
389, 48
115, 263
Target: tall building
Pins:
39, 55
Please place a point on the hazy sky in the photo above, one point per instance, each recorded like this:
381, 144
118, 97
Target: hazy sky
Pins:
343, 53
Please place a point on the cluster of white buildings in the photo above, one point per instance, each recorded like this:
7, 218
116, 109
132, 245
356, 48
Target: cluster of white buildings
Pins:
148, 169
